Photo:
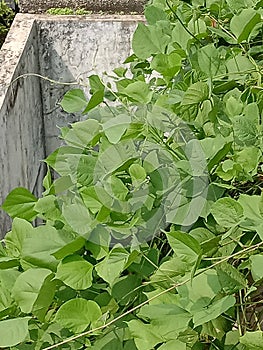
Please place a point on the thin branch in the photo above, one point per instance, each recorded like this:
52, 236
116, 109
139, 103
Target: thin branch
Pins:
182, 23
47, 79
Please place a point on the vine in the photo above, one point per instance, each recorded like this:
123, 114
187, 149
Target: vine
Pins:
152, 225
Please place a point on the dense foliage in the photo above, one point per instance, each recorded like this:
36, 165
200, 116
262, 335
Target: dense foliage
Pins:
152, 230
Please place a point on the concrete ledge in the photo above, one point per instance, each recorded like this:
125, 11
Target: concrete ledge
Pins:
109, 6
64, 49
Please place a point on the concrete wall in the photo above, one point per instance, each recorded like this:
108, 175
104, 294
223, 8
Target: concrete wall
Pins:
71, 50
64, 49
21, 123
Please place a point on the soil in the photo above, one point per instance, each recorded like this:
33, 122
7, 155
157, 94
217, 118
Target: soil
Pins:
108, 6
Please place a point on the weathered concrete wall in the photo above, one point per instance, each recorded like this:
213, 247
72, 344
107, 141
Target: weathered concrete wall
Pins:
64, 49
109, 6
21, 123
73, 49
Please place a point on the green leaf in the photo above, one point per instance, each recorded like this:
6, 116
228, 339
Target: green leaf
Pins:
242, 24
217, 328
245, 131
230, 278
14, 331
94, 197
184, 246
200, 292
78, 218
137, 172
196, 93
75, 272
8, 263
154, 14
172, 345
114, 157
120, 71
207, 240
7, 281
197, 26
61, 184
169, 319
20, 203
148, 40
237, 5
27, 288
38, 249
231, 339
249, 158
74, 101
99, 241
234, 107
227, 212
14, 240
138, 91
212, 311
45, 298
58, 159
167, 64
78, 314
221, 33
142, 43
94, 101
47, 181
180, 35
83, 133
96, 83
125, 290
238, 67
144, 335
47, 206
170, 271
253, 340
114, 128
252, 206
210, 62
256, 267
117, 188
70, 248
112, 265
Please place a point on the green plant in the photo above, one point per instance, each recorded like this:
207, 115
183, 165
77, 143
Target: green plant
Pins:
67, 11
6, 18
152, 232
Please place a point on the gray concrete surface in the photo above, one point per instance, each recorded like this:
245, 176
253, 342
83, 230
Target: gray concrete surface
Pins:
109, 6
64, 49
21, 123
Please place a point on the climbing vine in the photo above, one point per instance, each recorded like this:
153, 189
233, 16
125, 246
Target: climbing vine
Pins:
152, 230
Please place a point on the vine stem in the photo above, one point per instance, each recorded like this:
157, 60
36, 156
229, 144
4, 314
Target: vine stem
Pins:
182, 23
74, 83
47, 79
115, 319
251, 248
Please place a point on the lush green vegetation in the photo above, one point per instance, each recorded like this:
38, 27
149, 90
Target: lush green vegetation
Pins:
152, 233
